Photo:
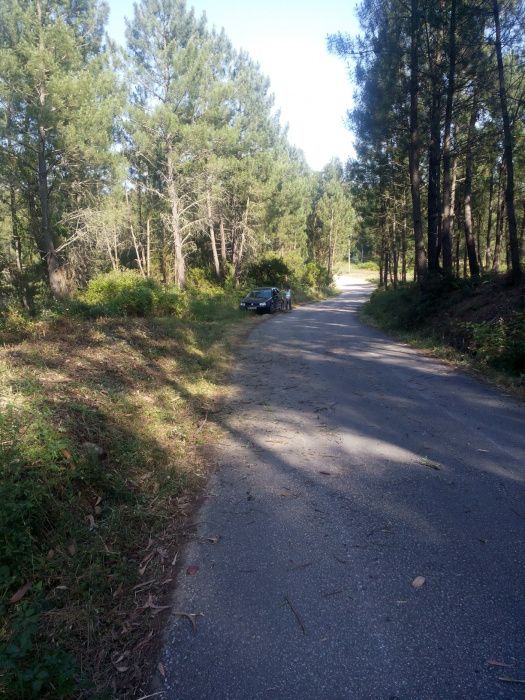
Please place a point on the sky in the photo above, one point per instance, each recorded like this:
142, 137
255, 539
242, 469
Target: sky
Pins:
288, 39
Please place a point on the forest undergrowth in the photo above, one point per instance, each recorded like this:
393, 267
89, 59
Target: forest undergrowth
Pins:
479, 325
104, 424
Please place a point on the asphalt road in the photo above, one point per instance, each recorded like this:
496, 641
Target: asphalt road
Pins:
352, 465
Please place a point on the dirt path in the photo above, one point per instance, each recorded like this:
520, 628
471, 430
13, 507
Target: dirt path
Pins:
351, 466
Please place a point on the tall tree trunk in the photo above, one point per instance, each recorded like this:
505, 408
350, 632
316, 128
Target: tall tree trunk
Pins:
434, 162
15, 236
115, 247
500, 221
56, 275
395, 253
522, 233
16, 241
478, 244
239, 250
223, 243
404, 239
507, 253
452, 213
415, 175
470, 241
488, 241
138, 252
404, 243
212, 238
148, 247
446, 234
136, 243
163, 265
114, 264
458, 255
17, 247
179, 263
508, 153
331, 246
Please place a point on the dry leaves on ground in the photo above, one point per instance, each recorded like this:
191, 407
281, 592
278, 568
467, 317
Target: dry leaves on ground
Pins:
418, 582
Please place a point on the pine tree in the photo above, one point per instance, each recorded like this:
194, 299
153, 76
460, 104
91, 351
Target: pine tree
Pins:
58, 104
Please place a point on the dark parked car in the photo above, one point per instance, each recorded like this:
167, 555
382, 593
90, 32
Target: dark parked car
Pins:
262, 299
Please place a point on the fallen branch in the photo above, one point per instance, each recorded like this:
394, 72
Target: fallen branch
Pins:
296, 614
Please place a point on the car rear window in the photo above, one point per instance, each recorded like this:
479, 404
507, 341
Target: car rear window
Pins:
260, 294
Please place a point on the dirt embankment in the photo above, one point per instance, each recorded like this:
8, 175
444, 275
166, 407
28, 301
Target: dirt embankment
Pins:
103, 433
485, 322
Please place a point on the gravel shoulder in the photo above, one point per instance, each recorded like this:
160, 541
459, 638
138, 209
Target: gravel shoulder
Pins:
350, 465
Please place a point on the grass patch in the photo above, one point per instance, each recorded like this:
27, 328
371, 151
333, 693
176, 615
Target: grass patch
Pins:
101, 430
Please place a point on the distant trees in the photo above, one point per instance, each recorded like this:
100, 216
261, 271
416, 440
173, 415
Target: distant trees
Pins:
332, 218
435, 130
58, 103
163, 156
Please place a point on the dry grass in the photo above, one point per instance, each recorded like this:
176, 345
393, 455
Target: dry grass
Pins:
107, 421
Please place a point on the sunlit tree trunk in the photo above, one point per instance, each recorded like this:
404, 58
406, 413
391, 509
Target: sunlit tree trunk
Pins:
488, 240
507, 151
470, 241
446, 234
415, 175
212, 238
500, 222
179, 263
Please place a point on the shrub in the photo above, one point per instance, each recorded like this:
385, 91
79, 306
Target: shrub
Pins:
268, 271
169, 301
500, 343
315, 275
14, 324
408, 306
124, 293
30, 668
199, 278
127, 293
368, 265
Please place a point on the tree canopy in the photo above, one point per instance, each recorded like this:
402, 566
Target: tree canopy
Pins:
438, 119
164, 156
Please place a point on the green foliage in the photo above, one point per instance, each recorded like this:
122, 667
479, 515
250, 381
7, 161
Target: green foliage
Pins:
168, 301
120, 294
410, 306
315, 276
270, 270
207, 301
332, 219
500, 343
55, 80
200, 279
128, 293
35, 487
30, 668
217, 306
368, 265
14, 324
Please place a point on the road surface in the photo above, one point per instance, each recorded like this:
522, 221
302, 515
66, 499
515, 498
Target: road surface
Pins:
352, 465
